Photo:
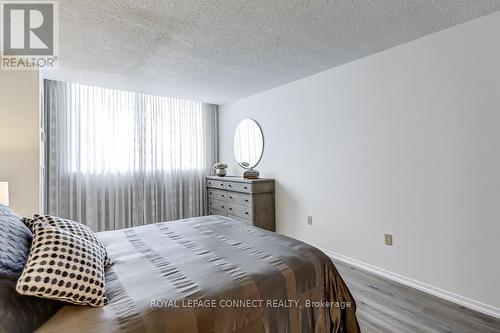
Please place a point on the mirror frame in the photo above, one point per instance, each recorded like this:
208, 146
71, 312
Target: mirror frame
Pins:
263, 144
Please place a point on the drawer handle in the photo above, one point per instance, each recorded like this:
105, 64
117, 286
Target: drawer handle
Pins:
246, 213
230, 197
222, 195
210, 204
246, 200
209, 183
230, 208
246, 188
211, 192
223, 207
222, 184
229, 185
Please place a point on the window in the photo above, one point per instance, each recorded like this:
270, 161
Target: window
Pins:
113, 131
117, 159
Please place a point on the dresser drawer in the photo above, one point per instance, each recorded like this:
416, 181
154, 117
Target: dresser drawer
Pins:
239, 187
216, 212
239, 199
240, 211
216, 184
217, 205
230, 186
217, 194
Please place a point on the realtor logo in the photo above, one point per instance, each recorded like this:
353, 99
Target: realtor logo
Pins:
29, 35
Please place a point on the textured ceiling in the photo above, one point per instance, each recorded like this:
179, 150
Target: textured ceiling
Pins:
221, 50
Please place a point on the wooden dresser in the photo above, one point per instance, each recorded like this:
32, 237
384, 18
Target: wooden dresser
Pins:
247, 200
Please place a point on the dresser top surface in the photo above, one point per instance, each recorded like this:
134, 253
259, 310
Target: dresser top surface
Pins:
240, 179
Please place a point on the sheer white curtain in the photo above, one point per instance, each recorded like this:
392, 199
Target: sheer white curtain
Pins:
117, 159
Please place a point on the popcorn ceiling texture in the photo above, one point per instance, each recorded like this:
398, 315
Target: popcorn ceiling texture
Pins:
219, 50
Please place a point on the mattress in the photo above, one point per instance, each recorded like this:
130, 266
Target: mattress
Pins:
213, 274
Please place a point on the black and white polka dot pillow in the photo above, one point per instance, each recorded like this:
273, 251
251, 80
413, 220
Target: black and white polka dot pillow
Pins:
73, 227
64, 267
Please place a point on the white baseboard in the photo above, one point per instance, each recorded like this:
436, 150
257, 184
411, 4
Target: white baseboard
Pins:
461, 300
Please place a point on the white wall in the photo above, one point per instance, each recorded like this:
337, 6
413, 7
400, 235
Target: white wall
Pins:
19, 138
406, 141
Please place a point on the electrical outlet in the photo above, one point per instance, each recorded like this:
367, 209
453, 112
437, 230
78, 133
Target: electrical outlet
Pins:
388, 239
310, 220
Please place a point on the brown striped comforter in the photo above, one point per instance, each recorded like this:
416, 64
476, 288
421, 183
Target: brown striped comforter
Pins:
213, 274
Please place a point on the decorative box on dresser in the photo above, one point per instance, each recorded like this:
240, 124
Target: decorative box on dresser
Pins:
247, 200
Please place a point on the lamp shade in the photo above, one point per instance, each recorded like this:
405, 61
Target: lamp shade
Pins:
4, 193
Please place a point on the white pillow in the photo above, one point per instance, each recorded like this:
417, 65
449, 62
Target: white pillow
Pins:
73, 227
63, 266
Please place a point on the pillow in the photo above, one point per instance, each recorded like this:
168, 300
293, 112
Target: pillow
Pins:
18, 313
73, 227
63, 266
15, 242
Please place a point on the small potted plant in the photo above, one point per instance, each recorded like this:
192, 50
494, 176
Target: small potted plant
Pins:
220, 169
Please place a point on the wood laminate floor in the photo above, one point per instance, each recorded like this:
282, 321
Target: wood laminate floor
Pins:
386, 306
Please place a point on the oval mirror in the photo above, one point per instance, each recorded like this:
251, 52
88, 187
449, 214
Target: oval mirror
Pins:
248, 144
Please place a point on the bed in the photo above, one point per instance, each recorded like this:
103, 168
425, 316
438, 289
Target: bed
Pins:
213, 274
